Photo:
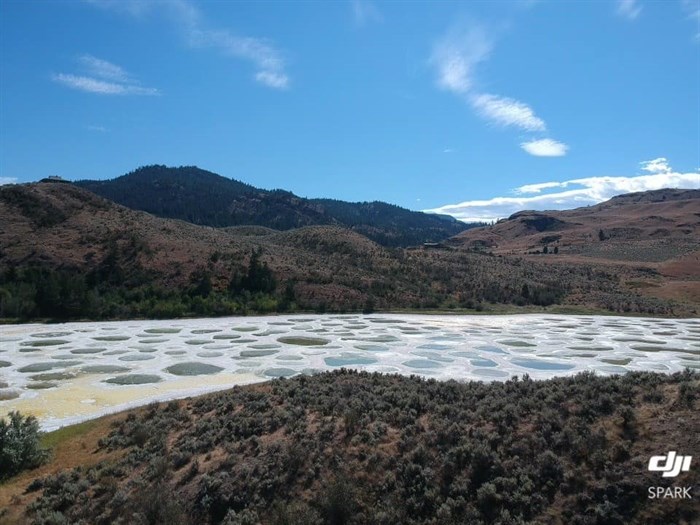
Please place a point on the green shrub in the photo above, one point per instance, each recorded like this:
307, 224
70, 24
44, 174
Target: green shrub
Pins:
19, 444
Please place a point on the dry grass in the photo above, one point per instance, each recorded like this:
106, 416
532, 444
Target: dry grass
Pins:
72, 446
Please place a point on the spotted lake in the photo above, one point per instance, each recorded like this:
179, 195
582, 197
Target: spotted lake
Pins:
64, 373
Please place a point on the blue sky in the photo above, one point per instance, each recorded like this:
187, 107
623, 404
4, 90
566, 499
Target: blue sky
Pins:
477, 109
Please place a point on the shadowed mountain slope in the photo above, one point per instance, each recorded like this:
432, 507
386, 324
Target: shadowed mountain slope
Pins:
201, 197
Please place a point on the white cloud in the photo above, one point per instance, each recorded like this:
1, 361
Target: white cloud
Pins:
100, 129
266, 59
272, 79
507, 112
8, 180
455, 58
104, 69
456, 55
365, 12
659, 165
448, 150
537, 188
574, 193
101, 87
545, 148
629, 9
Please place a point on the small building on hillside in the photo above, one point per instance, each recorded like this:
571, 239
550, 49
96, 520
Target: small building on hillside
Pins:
54, 178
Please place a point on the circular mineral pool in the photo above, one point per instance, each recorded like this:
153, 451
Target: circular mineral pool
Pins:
257, 353
349, 359
137, 357
209, 354
52, 376
489, 372
44, 342
483, 362
134, 379
519, 344
80, 351
280, 372
193, 369
538, 364
43, 367
162, 330
51, 334
6, 395
422, 363
304, 341
103, 369
372, 348
41, 385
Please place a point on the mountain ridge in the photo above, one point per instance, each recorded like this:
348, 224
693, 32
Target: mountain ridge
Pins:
205, 198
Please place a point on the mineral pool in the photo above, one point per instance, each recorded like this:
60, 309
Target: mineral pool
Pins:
65, 373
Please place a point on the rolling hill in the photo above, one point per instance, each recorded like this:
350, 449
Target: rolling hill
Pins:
653, 219
66, 252
205, 198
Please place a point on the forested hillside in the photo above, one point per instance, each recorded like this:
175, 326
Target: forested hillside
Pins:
201, 197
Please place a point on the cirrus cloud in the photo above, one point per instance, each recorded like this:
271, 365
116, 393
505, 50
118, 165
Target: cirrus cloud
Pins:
455, 58
102, 78
268, 62
507, 112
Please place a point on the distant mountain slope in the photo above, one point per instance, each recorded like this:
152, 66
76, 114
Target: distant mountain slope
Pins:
651, 226
205, 198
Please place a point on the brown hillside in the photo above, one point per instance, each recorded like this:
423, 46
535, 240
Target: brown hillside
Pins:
657, 232
63, 227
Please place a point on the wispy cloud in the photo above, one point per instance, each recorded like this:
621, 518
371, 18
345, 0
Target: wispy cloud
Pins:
365, 12
268, 62
104, 69
692, 12
545, 148
103, 78
99, 129
455, 58
629, 9
572, 193
507, 112
456, 55
101, 87
7, 180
